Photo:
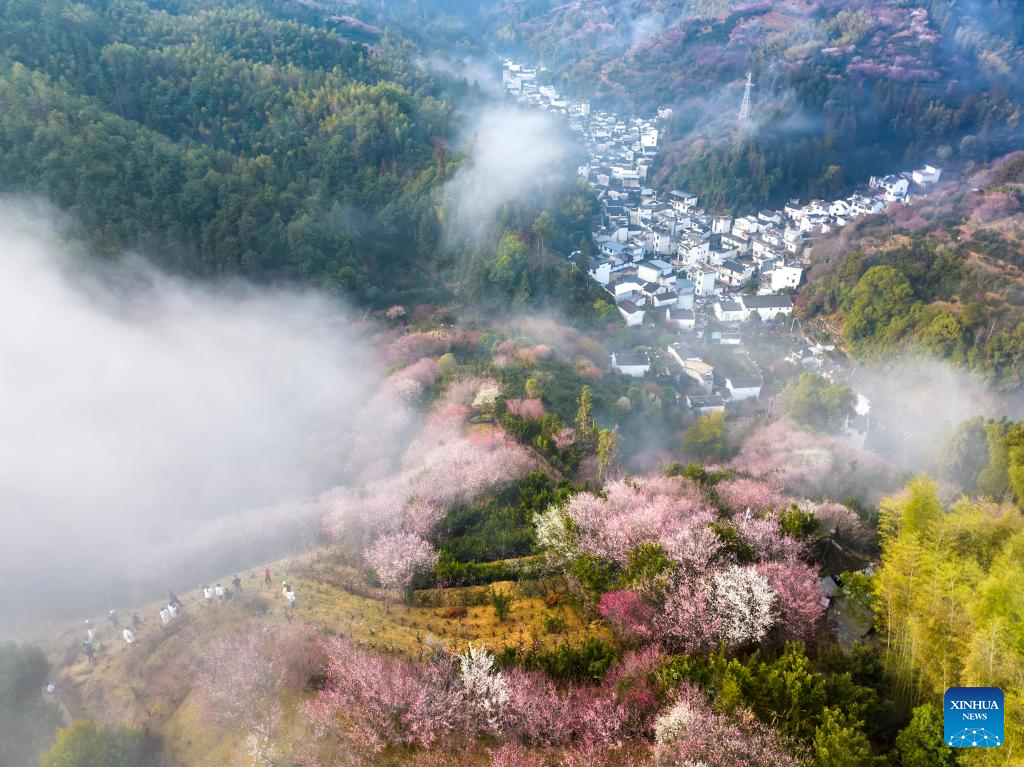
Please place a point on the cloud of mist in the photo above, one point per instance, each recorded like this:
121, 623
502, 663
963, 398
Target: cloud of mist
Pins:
475, 70
646, 26
137, 409
917, 402
513, 154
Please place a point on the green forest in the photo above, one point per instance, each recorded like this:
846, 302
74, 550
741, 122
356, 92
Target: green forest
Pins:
253, 140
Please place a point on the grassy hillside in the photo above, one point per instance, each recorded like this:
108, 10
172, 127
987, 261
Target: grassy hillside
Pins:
149, 685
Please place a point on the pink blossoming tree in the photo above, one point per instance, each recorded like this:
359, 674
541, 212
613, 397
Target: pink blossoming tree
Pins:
628, 615
398, 559
689, 733
527, 409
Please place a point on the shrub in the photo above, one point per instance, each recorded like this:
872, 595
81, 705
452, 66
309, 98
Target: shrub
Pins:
85, 744
502, 603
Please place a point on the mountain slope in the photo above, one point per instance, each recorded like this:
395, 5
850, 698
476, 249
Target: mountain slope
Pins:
224, 140
942, 275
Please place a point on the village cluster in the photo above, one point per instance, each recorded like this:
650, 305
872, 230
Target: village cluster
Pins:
666, 261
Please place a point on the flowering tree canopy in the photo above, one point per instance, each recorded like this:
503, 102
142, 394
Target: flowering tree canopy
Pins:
398, 559
529, 409
689, 733
485, 688
698, 577
628, 614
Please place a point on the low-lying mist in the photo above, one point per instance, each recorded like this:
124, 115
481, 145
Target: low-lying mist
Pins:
513, 155
147, 420
918, 401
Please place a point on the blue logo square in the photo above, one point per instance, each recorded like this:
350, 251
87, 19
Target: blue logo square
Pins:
973, 717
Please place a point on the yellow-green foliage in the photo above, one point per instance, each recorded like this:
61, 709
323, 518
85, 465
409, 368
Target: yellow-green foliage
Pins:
949, 599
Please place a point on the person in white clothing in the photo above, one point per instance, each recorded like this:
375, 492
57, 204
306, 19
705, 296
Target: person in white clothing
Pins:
165, 616
129, 637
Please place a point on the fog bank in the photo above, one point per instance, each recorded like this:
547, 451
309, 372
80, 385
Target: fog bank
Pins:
512, 155
139, 409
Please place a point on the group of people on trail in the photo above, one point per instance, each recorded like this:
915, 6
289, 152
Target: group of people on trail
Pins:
173, 609
209, 592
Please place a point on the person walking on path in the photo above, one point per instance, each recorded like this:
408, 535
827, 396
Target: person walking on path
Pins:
237, 583
266, 574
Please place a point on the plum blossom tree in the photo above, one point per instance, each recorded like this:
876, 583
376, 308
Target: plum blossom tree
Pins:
765, 538
528, 409
555, 532
628, 614
798, 598
373, 701
398, 559
813, 464
742, 493
243, 674
840, 521
744, 601
485, 688
695, 548
441, 467
689, 733
687, 620
565, 437
646, 510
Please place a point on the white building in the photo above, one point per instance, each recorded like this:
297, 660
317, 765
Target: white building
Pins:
786, 276
730, 311
929, 174
705, 403
685, 290
635, 365
893, 187
767, 307
601, 272
653, 271
734, 273
743, 388
631, 313
704, 281
680, 319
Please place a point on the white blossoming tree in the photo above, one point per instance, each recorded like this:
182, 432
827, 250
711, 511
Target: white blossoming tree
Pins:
744, 602
554, 532
486, 689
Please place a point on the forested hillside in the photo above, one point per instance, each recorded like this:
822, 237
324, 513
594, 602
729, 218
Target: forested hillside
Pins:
224, 139
267, 141
942, 276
